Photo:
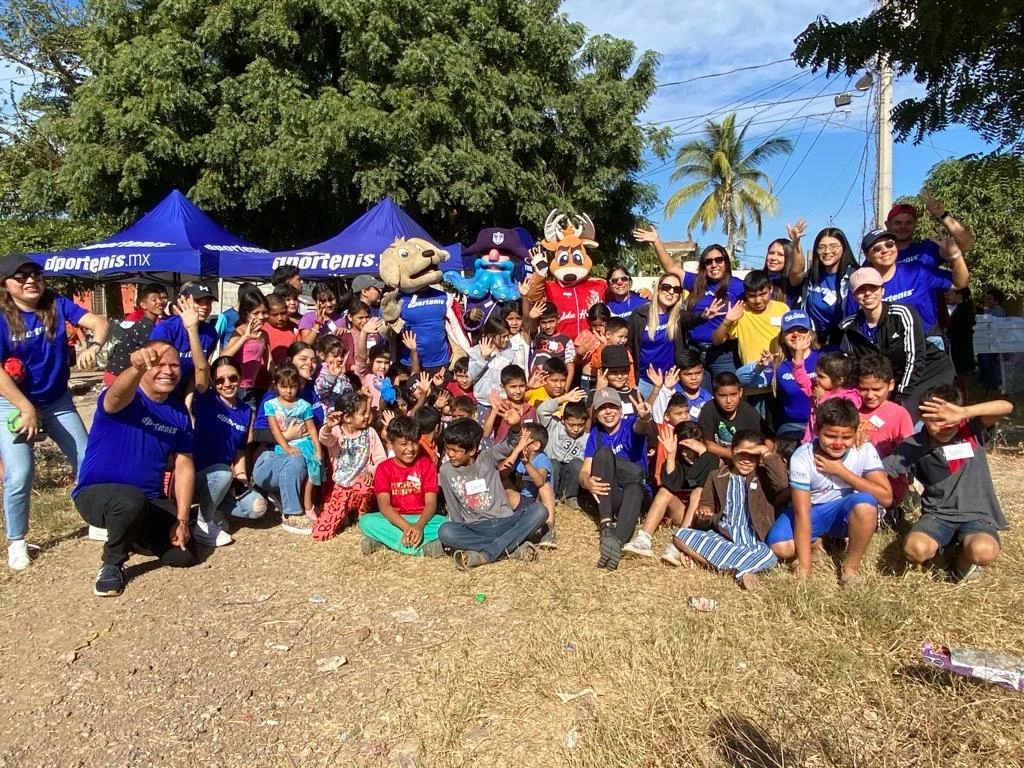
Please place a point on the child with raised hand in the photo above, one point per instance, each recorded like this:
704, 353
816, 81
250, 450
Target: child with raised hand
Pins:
616, 334
483, 526
357, 316
406, 489
487, 360
589, 341
833, 377
549, 343
836, 488
530, 469
567, 439
959, 507
513, 385
250, 345
282, 411
687, 465
518, 338
331, 380
355, 451
738, 502
551, 380
461, 384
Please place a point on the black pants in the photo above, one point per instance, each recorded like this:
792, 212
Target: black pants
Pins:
566, 478
128, 516
627, 492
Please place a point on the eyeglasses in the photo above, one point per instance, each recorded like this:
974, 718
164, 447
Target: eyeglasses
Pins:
232, 379
670, 288
714, 260
24, 277
620, 279
882, 246
835, 248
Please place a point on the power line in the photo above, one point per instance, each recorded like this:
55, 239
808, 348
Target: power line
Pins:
720, 74
767, 104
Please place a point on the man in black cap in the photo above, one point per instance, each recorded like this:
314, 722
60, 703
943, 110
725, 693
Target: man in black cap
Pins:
193, 344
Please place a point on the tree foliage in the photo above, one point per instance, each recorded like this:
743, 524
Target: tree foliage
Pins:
724, 171
968, 56
286, 119
987, 195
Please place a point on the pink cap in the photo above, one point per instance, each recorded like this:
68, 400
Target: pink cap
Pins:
865, 276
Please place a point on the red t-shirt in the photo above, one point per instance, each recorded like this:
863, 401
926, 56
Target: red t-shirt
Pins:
890, 423
406, 486
501, 426
279, 339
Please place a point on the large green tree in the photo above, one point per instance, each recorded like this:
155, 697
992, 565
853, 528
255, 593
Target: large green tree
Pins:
288, 118
987, 195
969, 56
723, 168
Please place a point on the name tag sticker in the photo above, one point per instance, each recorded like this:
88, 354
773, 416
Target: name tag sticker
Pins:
958, 451
694, 412
878, 422
777, 321
473, 487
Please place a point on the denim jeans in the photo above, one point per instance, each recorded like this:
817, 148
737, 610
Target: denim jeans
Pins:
212, 494
61, 421
284, 474
497, 536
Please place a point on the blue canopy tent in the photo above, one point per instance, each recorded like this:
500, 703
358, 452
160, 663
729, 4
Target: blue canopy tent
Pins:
173, 239
354, 251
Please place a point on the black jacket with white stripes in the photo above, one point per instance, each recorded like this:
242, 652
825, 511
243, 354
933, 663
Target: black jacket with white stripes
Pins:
900, 337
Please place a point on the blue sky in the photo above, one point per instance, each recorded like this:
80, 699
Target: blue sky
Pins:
825, 169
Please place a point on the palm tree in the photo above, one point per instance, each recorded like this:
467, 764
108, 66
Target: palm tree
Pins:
727, 176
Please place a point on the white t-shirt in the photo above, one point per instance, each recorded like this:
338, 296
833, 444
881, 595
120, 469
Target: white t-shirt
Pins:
804, 476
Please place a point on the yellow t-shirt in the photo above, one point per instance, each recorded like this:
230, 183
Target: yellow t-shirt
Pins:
756, 331
537, 396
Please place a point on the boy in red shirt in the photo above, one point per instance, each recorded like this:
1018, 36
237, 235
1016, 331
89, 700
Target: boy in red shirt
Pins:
406, 489
281, 331
886, 424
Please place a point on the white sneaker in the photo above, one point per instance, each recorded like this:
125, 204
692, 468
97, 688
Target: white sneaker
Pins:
17, 555
211, 534
671, 556
639, 545
97, 534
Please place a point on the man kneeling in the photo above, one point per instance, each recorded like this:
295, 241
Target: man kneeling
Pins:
138, 426
482, 526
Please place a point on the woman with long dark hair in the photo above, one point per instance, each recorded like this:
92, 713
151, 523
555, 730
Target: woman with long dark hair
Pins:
825, 294
784, 263
620, 296
34, 346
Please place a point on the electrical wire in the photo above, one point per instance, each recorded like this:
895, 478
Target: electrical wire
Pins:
720, 74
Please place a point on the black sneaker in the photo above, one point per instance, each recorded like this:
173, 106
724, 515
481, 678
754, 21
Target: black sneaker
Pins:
178, 558
109, 581
610, 549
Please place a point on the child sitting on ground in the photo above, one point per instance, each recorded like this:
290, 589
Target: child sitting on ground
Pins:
513, 384
836, 488
406, 490
554, 377
959, 507
687, 465
738, 502
487, 360
567, 439
530, 471
428, 419
726, 414
483, 526
355, 451
833, 375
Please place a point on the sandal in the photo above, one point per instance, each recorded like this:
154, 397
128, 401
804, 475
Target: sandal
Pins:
974, 573
466, 559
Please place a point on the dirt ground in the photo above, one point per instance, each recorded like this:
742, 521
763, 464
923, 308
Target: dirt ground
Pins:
277, 651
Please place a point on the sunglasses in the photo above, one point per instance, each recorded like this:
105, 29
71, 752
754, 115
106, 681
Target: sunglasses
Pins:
836, 248
620, 279
714, 260
232, 379
24, 277
882, 246
670, 288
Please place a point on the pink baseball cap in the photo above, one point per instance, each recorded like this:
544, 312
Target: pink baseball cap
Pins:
865, 276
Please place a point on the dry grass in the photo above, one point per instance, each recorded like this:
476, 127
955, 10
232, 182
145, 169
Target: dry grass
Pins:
180, 670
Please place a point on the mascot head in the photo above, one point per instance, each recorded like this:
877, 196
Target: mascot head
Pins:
568, 241
410, 265
495, 246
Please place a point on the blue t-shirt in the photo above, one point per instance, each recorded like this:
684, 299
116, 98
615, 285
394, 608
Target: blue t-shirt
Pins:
223, 429
226, 325
424, 315
697, 402
624, 442
701, 333
172, 330
45, 360
625, 308
916, 285
132, 446
796, 406
526, 486
923, 252
659, 351
791, 293
824, 305
307, 393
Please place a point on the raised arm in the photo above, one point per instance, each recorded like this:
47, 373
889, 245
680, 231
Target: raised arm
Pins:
668, 264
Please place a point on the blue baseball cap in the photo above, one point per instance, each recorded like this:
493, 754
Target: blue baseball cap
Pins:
874, 236
795, 318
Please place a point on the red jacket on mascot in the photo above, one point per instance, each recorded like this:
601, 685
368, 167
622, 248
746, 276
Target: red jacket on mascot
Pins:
571, 288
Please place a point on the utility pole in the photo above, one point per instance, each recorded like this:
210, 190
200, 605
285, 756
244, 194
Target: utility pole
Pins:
883, 174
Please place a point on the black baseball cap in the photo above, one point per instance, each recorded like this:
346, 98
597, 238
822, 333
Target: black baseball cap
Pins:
199, 292
614, 356
12, 262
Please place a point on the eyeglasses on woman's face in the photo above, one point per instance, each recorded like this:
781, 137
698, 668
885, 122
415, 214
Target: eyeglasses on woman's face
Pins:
830, 248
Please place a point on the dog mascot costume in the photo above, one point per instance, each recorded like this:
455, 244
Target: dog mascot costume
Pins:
571, 288
414, 303
498, 269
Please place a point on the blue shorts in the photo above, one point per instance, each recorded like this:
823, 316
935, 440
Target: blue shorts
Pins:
828, 519
945, 532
